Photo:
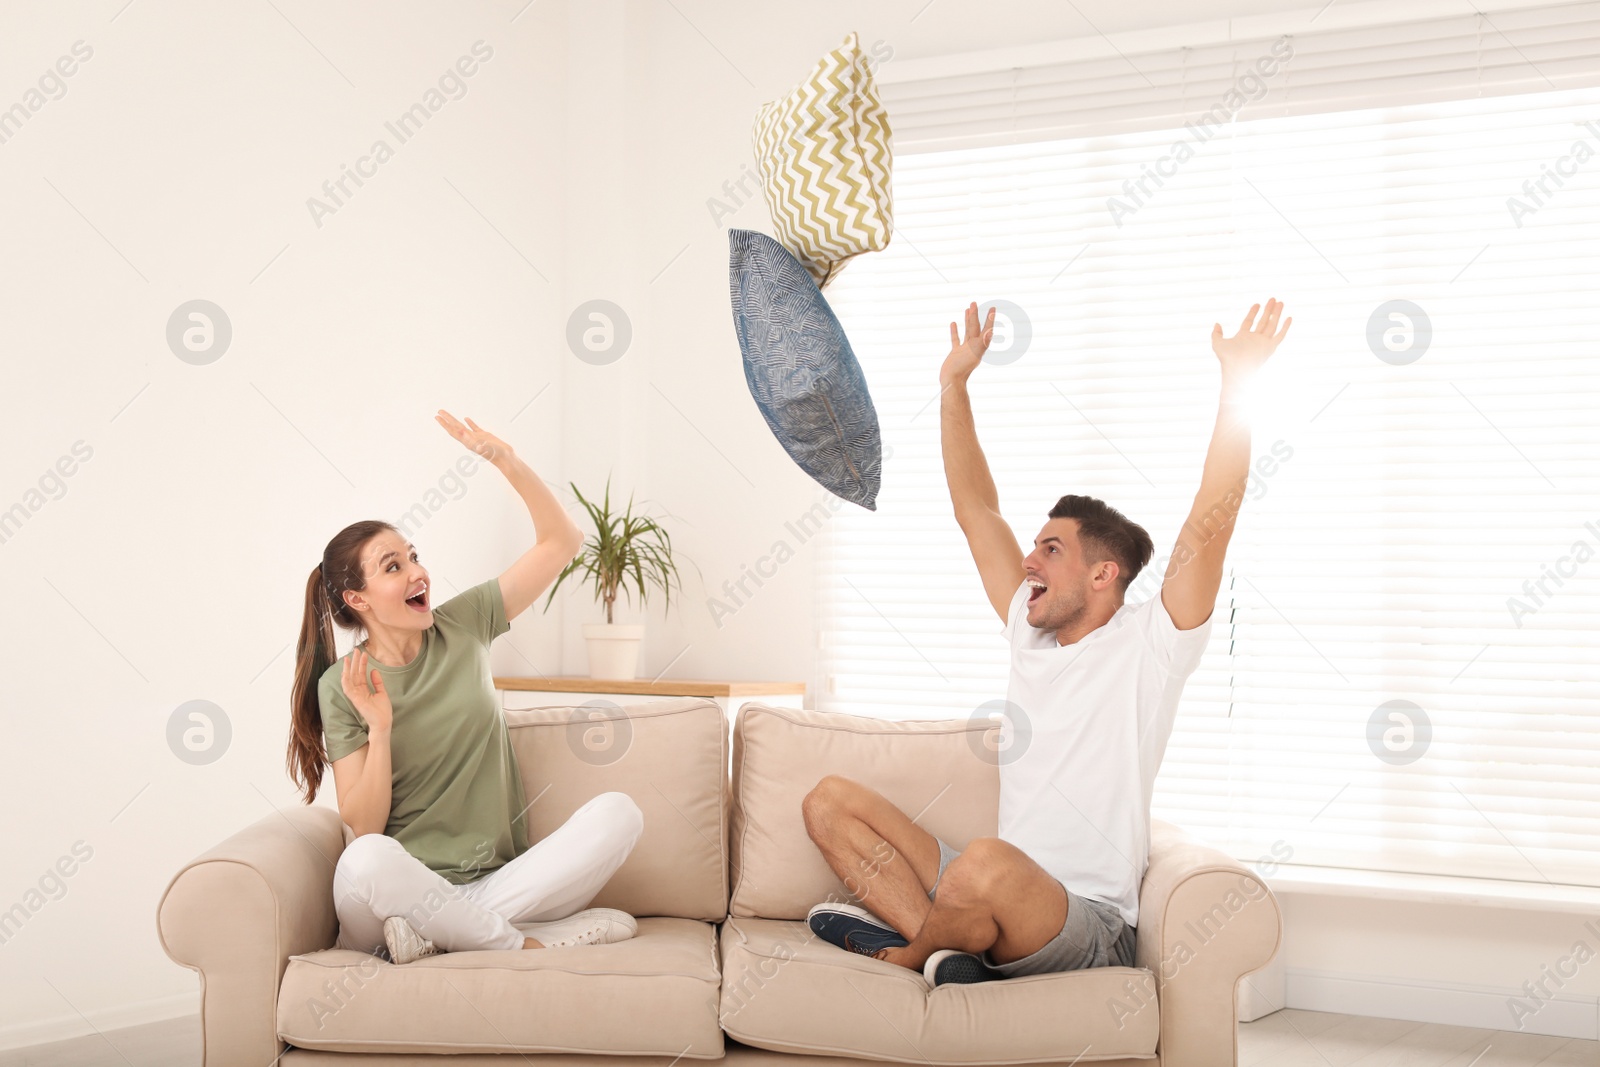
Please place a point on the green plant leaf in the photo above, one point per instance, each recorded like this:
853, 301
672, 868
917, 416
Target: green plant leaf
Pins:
626, 553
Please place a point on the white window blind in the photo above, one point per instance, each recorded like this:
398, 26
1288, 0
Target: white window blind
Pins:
1102, 88
1429, 531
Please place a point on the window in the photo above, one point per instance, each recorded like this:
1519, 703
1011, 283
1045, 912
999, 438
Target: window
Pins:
1423, 530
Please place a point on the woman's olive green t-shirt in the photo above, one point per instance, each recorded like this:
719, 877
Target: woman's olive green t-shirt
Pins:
456, 800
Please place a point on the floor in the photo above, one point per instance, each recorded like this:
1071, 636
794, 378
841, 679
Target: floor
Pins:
1288, 1038
1294, 1038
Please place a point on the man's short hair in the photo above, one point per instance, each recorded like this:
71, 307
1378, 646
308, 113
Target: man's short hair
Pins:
1106, 533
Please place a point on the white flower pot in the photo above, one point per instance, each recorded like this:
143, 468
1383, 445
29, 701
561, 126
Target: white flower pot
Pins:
613, 649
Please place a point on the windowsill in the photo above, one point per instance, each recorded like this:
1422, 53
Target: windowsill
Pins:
1298, 879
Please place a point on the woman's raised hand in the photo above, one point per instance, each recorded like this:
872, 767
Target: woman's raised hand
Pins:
373, 707
474, 437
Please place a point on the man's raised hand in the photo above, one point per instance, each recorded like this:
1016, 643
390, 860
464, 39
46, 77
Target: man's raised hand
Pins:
966, 354
1249, 348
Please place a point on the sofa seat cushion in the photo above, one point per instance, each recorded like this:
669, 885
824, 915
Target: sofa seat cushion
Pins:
786, 990
654, 994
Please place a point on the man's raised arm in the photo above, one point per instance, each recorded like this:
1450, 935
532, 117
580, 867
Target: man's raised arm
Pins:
972, 492
1189, 589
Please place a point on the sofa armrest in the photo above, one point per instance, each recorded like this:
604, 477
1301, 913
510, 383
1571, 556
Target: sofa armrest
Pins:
1205, 921
239, 911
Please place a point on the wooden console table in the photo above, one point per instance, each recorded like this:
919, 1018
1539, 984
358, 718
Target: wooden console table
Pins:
517, 693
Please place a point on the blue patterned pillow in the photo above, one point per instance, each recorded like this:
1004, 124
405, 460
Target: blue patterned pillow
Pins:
800, 369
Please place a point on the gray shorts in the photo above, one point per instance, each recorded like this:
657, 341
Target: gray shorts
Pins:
1093, 935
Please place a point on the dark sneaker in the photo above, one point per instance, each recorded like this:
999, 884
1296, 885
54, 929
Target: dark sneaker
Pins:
852, 928
947, 966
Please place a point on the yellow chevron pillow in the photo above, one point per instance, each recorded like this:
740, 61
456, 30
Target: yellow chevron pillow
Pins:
824, 154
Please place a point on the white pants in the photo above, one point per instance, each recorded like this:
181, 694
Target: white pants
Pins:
376, 878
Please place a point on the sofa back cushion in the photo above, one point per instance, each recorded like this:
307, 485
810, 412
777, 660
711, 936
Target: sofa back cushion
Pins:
942, 772
671, 757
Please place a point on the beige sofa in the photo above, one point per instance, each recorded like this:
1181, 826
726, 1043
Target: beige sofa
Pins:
723, 964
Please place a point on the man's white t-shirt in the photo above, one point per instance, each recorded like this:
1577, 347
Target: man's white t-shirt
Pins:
1090, 723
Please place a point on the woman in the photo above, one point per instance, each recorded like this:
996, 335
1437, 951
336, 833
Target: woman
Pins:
426, 777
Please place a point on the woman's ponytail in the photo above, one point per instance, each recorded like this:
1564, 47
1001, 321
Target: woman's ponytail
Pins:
314, 654
340, 570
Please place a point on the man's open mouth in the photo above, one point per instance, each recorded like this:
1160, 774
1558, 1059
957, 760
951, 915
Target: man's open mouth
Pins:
1036, 589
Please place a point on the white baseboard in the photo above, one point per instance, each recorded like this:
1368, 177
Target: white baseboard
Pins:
1438, 1002
63, 1027
1262, 992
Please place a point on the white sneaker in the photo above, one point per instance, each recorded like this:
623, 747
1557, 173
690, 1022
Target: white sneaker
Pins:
405, 944
594, 926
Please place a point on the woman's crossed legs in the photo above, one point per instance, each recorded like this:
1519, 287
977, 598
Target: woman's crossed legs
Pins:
377, 878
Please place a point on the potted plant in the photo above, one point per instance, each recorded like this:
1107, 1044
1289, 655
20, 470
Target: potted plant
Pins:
626, 552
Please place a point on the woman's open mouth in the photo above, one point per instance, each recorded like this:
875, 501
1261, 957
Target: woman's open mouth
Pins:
419, 601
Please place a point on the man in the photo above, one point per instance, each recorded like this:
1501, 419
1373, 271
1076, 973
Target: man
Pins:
1097, 682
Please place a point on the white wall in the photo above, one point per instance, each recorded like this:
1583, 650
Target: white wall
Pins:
177, 166
1437, 962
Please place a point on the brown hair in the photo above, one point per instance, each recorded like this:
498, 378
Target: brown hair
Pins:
339, 570
1106, 533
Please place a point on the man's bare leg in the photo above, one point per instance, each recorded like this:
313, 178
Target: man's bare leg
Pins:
994, 897
885, 860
